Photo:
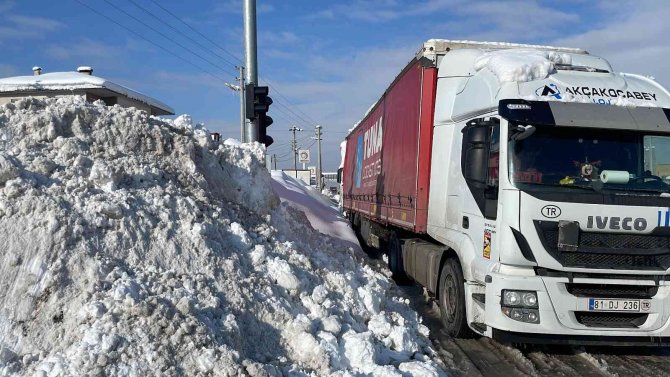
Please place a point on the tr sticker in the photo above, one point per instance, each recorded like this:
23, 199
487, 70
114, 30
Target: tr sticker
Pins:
551, 211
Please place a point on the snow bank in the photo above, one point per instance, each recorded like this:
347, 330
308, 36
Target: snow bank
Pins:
322, 213
133, 245
521, 65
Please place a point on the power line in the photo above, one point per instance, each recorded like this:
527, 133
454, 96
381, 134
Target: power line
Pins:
166, 37
296, 116
287, 100
145, 10
288, 113
309, 120
199, 33
150, 41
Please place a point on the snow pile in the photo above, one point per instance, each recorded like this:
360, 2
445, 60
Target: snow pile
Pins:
322, 213
521, 65
133, 245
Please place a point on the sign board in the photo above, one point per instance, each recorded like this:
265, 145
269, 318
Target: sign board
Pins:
301, 175
303, 155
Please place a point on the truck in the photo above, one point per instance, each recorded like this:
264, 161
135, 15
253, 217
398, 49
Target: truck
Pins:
525, 187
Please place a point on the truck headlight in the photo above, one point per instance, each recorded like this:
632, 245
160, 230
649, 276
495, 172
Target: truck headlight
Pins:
522, 315
520, 305
525, 299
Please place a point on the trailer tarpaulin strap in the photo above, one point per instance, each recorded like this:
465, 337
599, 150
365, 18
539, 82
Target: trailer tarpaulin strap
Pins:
554, 113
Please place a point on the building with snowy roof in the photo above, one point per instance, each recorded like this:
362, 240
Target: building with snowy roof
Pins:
82, 83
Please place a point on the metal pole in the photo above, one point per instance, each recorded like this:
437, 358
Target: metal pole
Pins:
250, 59
294, 145
319, 183
274, 156
243, 118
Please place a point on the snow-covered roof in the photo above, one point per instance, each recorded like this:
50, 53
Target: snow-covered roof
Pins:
69, 81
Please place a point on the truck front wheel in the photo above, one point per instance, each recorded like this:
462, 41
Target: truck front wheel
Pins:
452, 300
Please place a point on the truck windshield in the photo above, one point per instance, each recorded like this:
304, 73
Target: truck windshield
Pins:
574, 158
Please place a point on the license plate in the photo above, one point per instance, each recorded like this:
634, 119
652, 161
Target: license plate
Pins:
610, 305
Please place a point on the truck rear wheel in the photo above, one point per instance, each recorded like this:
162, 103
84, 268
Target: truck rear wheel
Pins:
395, 259
452, 300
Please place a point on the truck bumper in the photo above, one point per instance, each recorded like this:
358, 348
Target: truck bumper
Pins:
565, 317
580, 340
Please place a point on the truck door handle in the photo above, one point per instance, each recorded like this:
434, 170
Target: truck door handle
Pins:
466, 222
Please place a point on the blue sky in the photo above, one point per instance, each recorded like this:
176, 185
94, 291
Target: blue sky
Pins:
328, 60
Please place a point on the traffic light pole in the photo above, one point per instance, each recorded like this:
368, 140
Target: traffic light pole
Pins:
250, 61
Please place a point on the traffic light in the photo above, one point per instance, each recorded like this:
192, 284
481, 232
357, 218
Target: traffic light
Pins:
257, 105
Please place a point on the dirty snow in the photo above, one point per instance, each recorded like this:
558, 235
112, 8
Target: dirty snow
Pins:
137, 246
521, 65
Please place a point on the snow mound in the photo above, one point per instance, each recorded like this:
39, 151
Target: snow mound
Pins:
133, 245
521, 65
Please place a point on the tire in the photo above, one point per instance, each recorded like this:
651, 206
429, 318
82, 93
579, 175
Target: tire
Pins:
452, 300
395, 260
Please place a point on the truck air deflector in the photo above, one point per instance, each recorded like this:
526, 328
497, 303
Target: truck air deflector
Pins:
555, 113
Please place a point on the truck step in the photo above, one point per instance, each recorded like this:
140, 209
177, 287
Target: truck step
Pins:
479, 297
479, 327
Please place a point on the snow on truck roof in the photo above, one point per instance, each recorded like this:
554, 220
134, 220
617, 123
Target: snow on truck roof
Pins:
510, 62
74, 81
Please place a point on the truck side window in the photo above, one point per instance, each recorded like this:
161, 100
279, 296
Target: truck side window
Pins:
494, 157
480, 162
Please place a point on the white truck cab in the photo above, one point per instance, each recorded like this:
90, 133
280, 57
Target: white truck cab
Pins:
553, 194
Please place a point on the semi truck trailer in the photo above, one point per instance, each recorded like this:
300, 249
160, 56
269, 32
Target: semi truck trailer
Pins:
525, 187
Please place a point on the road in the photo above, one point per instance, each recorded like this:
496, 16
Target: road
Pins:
486, 357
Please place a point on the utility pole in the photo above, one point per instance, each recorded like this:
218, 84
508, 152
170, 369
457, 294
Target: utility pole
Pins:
243, 119
294, 146
319, 183
240, 88
250, 60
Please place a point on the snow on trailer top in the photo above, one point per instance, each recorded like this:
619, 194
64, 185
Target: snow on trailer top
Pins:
441, 46
509, 62
74, 81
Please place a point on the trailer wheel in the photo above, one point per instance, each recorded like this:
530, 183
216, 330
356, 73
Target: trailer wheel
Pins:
395, 259
452, 300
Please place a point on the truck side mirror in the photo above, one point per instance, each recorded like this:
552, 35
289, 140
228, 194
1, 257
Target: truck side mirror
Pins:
339, 175
474, 160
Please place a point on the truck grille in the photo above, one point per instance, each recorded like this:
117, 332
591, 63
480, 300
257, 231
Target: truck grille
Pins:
608, 250
611, 320
612, 290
